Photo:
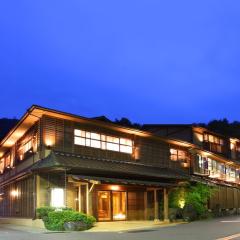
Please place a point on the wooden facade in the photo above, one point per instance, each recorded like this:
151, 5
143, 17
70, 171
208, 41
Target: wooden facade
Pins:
123, 192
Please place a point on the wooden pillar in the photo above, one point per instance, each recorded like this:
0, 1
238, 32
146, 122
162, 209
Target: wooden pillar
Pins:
156, 206
38, 191
87, 198
79, 199
165, 205
145, 205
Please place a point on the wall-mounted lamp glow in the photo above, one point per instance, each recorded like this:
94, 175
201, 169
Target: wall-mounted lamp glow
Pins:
115, 187
15, 193
48, 142
57, 197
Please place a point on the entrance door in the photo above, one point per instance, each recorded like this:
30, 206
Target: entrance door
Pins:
112, 205
119, 205
104, 206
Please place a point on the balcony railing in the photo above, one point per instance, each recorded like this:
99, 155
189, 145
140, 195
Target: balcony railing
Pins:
217, 175
201, 171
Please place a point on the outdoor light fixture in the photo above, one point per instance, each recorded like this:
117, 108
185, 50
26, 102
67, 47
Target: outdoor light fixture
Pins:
181, 203
119, 216
15, 193
49, 142
57, 197
115, 187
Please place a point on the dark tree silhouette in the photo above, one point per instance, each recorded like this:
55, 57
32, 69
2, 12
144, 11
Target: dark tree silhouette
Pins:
5, 126
223, 126
127, 123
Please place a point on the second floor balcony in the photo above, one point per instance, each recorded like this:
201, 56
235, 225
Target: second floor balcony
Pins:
215, 148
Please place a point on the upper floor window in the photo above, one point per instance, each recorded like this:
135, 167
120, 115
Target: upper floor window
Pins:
230, 174
8, 161
5, 162
216, 144
215, 168
25, 148
235, 150
2, 165
202, 162
102, 141
176, 154
179, 155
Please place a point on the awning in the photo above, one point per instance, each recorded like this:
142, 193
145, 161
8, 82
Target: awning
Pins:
121, 181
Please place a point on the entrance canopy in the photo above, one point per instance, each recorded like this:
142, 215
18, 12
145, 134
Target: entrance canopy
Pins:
122, 181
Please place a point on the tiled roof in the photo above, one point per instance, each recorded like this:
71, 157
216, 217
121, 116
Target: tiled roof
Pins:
104, 167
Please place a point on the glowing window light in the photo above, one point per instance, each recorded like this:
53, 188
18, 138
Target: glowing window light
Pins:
97, 140
57, 197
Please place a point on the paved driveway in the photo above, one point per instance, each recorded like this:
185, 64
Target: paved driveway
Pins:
201, 230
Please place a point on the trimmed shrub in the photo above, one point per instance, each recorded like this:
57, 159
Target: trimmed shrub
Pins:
61, 219
42, 212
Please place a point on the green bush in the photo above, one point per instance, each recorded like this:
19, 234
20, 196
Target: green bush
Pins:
193, 199
198, 196
42, 212
54, 219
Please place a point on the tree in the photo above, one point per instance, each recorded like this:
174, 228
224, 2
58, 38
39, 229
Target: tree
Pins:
5, 126
127, 123
224, 127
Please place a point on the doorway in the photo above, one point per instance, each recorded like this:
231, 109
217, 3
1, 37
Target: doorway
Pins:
112, 205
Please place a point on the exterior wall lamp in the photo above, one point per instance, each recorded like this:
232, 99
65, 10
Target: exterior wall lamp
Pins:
15, 193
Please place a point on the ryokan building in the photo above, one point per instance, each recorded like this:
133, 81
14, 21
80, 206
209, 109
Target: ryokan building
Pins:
52, 158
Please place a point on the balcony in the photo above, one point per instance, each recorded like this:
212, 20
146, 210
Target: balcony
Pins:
201, 171
214, 147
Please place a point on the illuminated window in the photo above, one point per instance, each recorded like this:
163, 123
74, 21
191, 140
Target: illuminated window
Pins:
178, 155
201, 161
95, 144
25, 148
80, 141
112, 139
57, 197
213, 139
2, 165
173, 154
95, 136
125, 141
104, 142
125, 149
8, 161
216, 144
112, 146
210, 164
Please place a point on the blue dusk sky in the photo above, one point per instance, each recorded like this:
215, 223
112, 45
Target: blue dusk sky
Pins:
151, 61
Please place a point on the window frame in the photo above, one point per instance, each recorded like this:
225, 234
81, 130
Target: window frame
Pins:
106, 142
